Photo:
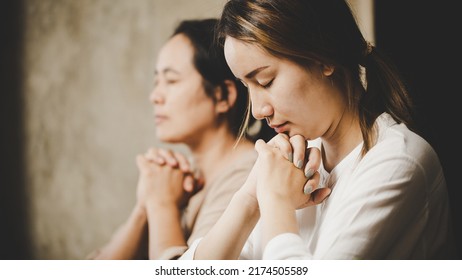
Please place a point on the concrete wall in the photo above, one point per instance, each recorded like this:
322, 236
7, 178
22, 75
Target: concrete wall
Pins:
88, 69
88, 72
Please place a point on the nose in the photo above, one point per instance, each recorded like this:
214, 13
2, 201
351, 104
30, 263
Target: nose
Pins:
156, 96
261, 108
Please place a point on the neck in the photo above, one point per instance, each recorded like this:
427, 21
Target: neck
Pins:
215, 150
341, 140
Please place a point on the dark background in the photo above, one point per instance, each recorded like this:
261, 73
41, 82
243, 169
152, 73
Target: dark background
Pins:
420, 37
14, 241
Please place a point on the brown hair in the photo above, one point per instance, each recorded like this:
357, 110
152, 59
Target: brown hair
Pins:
323, 31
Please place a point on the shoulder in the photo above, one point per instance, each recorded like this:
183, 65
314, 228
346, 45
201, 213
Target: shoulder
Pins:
401, 154
233, 175
240, 166
399, 142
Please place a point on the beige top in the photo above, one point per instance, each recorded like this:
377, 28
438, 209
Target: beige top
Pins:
207, 205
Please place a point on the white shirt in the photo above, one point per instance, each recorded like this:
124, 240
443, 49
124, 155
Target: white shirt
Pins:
391, 204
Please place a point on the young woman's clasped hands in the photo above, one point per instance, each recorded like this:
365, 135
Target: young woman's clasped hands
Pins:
287, 180
293, 171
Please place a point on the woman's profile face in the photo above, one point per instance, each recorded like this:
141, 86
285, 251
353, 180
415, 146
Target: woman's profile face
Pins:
182, 109
294, 100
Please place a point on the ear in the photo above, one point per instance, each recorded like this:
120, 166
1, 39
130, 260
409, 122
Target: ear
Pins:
224, 104
328, 70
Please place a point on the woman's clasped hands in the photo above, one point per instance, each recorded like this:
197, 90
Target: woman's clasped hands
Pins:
166, 178
286, 171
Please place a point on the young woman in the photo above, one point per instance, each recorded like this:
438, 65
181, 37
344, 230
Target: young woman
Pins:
198, 103
302, 63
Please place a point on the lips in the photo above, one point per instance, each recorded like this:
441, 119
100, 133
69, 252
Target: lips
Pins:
279, 128
159, 118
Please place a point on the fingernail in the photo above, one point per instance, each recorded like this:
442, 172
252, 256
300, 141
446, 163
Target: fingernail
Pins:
299, 164
309, 173
307, 189
190, 186
291, 157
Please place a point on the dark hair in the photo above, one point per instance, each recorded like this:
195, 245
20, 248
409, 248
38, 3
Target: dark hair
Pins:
323, 31
210, 62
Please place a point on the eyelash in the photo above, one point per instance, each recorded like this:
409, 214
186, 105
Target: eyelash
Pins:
169, 82
268, 85
166, 81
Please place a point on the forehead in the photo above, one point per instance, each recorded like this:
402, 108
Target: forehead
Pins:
177, 52
244, 57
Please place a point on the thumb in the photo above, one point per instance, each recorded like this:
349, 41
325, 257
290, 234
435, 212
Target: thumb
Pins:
260, 146
142, 163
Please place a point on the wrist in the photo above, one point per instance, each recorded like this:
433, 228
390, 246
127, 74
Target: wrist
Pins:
277, 217
248, 202
139, 212
271, 202
158, 207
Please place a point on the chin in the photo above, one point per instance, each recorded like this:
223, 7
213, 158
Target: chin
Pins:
172, 139
290, 134
163, 136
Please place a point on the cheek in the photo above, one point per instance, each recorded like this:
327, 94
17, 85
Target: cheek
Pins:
196, 110
185, 95
288, 99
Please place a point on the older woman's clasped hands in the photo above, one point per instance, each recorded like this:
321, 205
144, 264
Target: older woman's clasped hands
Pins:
166, 177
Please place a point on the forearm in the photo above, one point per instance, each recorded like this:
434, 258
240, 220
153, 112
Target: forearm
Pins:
165, 229
228, 236
125, 243
277, 217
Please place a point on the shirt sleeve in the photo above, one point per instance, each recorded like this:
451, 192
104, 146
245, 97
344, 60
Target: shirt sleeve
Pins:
173, 253
189, 253
285, 246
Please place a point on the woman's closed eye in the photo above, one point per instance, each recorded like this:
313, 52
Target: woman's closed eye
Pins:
166, 81
268, 84
171, 81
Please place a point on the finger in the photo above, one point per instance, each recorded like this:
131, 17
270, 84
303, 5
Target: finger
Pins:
198, 177
188, 183
153, 156
156, 159
142, 163
312, 184
151, 153
313, 163
281, 141
260, 146
183, 162
168, 157
298, 144
320, 195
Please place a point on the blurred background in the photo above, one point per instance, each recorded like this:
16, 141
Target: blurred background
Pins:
74, 110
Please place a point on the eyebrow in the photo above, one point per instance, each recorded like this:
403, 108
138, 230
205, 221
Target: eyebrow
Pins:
252, 74
166, 70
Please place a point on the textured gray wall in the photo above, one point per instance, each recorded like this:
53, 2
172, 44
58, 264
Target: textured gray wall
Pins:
88, 72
